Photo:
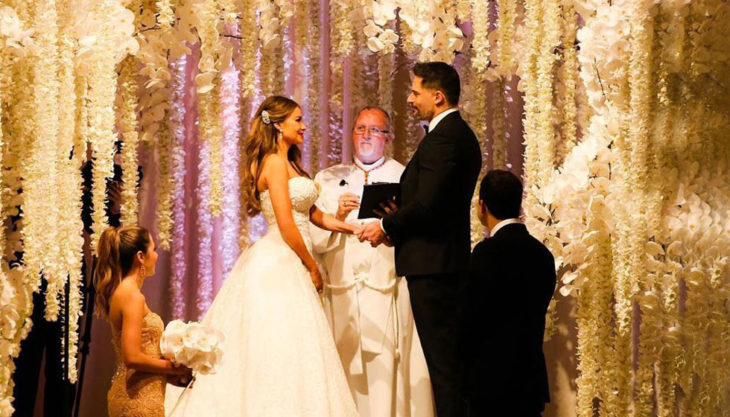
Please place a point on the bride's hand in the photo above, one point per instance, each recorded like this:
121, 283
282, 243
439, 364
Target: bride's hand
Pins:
356, 230
316, 277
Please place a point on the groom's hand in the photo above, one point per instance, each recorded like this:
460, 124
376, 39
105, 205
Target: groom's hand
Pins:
389, 207
372, 233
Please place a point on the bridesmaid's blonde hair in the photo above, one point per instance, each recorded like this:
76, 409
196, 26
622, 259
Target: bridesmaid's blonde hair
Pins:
261, 141
115, 253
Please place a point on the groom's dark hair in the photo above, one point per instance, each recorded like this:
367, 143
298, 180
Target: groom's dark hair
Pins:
501, 192
440, 76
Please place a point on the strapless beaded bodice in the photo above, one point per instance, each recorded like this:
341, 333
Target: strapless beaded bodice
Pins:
137, 393
303, 193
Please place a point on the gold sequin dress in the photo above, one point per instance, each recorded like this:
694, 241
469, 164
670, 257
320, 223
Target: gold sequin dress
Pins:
136, 393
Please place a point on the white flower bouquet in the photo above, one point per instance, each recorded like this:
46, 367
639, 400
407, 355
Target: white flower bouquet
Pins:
193, 345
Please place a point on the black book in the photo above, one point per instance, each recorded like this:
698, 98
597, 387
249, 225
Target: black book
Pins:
375, 194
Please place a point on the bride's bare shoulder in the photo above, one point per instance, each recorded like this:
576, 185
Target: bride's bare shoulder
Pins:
274, 169
273, 164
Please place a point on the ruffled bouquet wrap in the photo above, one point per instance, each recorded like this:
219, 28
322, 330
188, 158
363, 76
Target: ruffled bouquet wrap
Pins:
193, 345
198, 347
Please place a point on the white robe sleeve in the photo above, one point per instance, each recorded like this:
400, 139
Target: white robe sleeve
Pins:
324, 241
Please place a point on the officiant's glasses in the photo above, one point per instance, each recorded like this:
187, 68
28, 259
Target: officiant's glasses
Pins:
372, 130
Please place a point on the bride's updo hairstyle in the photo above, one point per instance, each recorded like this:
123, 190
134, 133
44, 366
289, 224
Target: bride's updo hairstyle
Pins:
116, 251
260, 142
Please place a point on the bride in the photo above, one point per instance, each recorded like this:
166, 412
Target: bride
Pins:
280, 358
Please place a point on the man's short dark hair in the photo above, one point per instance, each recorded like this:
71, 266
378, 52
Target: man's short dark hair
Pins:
440, 76
501, 192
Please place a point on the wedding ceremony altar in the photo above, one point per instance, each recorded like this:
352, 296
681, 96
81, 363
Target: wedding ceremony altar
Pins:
614, 113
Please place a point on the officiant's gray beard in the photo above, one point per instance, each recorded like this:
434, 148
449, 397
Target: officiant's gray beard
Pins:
365, 154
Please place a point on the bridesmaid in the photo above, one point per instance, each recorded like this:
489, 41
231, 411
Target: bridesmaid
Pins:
126, 257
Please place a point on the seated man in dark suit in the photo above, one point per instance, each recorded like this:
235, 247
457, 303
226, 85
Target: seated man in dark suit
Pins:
512, 280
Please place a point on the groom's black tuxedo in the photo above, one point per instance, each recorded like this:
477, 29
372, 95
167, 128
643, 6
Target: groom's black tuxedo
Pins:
431, 230
431, 234
511, 283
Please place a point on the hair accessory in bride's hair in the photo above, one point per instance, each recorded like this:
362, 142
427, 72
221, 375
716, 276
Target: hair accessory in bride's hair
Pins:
265, 117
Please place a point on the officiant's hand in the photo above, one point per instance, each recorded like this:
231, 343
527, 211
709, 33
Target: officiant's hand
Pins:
373, 234
388, 207
345, 204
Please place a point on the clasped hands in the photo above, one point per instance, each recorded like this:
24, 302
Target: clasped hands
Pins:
373, 232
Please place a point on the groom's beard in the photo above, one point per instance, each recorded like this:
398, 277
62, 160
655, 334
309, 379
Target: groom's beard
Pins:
422, 115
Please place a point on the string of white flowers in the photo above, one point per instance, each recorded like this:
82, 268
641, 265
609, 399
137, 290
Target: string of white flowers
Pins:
569, 80
178, 113
81, 122
165, 185
664, 183
313, 68
624, 269
16, 287
101, 136
339, 47
719, 195
697, 277
209, 116
528, 84
5, 285
386, 74
267, 73
247, 53
230, 222
480, 43
130, 140
643, 252
69, 187
589, 314
39, 186
544, 79
506, 16
153, 98
344, 43
208, 83
499, 139
204, 279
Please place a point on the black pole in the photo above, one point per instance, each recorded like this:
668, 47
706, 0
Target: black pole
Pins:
67, 407
90, 298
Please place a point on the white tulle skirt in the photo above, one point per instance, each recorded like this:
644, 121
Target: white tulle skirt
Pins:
279, 355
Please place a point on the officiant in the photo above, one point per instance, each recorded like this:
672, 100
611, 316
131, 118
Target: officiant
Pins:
367, 305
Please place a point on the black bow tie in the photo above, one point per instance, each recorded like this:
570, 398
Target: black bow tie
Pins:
425, 127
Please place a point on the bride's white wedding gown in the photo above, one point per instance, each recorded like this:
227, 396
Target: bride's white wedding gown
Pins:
279, 355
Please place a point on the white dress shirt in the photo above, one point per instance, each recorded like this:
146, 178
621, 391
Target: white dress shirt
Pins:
502, 224
435, 121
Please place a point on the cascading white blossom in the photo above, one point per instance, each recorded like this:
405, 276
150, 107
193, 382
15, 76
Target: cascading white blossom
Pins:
431, 27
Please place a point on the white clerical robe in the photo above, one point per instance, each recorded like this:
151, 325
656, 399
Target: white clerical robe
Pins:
368, 306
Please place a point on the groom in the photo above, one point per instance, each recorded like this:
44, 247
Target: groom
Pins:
430, 226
